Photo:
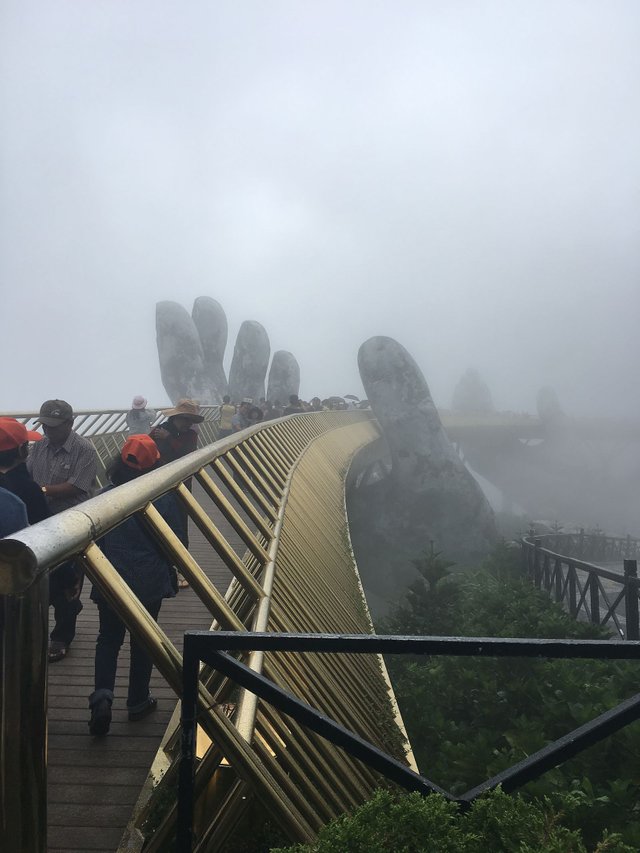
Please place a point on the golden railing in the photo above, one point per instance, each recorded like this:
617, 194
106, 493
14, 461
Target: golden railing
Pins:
107, 429
281, 488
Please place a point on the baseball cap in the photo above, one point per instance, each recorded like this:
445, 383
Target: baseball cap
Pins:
55, 412
14, 434
140, 452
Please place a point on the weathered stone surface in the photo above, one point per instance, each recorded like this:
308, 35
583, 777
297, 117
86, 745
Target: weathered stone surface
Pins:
429, 496
284, 377
211, 324
250, 361
180, 354
471, 395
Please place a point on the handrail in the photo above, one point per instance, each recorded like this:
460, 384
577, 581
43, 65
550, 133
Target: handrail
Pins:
213, 649
577, 584
95, 422
592, 544
256, 503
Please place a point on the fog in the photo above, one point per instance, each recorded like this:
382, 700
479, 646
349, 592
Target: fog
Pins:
461, 176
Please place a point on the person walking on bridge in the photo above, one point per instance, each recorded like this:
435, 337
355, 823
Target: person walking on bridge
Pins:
64, 464
139, 418
227, 411
142, 563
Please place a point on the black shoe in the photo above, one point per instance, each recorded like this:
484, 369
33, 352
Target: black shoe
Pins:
143, 710
57, 651
100, 718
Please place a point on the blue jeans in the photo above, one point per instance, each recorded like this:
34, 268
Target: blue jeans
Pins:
110, 639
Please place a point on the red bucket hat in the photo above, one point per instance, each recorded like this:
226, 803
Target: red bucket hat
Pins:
140, 452
14, 434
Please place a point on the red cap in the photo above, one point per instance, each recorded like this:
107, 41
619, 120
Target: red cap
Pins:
14, 434
140, 452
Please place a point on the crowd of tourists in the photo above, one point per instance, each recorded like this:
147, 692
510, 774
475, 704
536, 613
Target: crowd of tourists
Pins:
235, 416
42, 474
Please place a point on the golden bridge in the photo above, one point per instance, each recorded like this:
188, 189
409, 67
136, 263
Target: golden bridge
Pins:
270, 553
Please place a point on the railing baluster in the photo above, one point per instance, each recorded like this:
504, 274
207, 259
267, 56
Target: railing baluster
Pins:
559, 580
595, 598
573, 610
631, 599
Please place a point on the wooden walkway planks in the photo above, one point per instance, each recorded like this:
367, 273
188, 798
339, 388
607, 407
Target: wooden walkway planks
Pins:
93, 783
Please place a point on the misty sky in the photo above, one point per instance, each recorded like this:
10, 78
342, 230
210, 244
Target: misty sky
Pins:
462, 176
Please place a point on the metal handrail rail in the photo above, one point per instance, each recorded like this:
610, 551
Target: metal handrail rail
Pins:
558, 574
213, 648
584, 565
586, 542
94, 422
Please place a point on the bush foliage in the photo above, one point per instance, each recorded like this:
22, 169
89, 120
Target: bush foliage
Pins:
469, 718
410, 823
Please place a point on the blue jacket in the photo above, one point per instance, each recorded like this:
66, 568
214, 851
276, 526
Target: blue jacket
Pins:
13, 513
138, 559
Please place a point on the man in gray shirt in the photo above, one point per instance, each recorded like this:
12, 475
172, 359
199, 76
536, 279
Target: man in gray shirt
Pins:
64, 465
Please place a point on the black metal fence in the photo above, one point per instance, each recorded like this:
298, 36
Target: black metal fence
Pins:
213, 648
601, 596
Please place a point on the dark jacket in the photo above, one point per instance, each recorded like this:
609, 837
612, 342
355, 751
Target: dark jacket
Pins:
137, 558
19, 481
178, 444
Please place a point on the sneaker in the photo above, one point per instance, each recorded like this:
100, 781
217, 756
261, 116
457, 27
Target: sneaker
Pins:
100, 721
139, 712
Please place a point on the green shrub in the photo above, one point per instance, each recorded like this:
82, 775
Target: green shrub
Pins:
410, 823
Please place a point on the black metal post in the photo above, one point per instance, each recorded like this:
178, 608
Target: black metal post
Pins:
559, 579
573, 608
594, 592
536, 561
188, 719
631, 599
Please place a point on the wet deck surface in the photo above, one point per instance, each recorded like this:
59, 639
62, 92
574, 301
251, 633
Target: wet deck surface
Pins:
93, 783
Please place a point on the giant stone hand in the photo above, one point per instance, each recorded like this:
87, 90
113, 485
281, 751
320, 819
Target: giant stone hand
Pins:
191, 352
429, 496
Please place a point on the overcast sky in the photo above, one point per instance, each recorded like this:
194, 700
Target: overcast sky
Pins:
462, 176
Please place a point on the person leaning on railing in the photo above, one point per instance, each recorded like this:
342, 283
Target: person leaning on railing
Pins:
142, 563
